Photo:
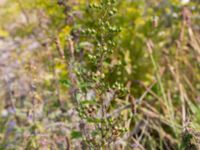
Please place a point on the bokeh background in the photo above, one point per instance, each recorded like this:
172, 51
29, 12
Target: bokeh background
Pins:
156, 59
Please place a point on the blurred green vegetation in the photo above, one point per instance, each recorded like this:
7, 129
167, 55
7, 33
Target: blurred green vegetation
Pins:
99, 74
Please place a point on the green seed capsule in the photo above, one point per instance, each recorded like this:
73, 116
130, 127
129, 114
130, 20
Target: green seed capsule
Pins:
111, 13
109, 3
93, 31
90, 5
114, 10
107, 24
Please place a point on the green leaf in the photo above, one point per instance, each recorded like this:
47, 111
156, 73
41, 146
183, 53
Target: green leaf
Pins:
95, 120
88, 102
76, 134
65, 82
94, 133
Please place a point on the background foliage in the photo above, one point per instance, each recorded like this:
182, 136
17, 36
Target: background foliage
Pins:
99, 74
